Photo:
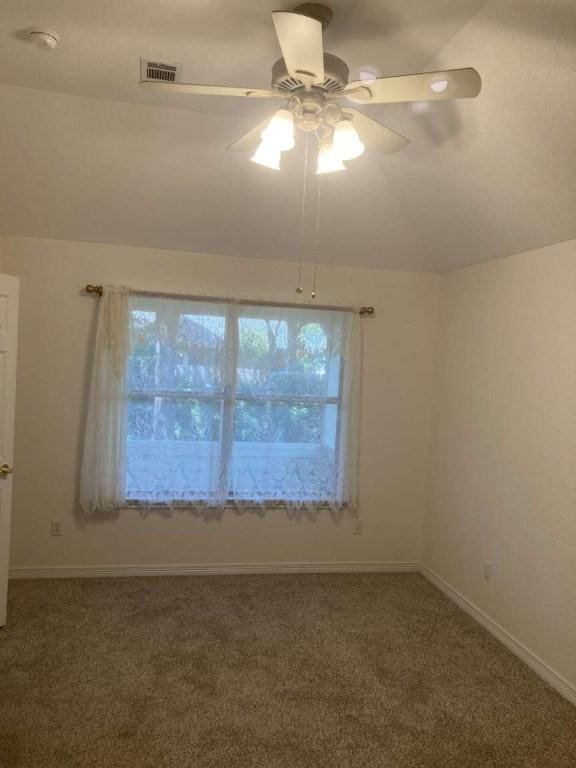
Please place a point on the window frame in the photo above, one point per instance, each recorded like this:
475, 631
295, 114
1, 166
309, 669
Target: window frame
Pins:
228, 396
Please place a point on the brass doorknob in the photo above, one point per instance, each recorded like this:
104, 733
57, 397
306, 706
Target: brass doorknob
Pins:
6, 469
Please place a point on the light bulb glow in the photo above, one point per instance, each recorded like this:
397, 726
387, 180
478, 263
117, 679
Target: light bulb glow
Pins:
439, 86
329, 161
347, 144
267, 156
279, 133
366, 76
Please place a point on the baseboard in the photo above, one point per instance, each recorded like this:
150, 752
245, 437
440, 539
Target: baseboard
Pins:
207, 569
553, 678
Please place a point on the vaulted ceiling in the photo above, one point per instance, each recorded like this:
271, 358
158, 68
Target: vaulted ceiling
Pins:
86, 154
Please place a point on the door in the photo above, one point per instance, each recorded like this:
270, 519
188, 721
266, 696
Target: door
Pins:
8, 331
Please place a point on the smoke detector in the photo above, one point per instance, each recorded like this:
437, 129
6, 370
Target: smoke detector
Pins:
44, 38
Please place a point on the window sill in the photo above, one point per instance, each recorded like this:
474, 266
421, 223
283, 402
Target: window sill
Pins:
235, 505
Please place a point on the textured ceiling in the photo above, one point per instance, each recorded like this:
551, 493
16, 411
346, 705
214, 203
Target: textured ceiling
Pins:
87, 155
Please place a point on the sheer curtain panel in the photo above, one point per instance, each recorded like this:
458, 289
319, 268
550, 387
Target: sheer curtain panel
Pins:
103, 471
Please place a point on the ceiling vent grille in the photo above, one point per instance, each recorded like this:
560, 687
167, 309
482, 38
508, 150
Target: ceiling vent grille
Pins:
155, 70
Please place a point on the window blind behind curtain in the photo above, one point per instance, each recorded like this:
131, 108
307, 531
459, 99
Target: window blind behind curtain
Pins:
205, 405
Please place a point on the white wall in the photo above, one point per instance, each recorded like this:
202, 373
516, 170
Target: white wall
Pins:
55, 340
504, 453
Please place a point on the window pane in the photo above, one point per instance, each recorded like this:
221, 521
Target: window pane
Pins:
142, 361
176, 347
173, 448
285, 352
284, 450
277, 422
199, 352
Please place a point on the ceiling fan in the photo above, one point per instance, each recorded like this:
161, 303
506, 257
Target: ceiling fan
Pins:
312, 82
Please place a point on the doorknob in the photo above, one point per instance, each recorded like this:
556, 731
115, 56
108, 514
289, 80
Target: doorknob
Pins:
5, 469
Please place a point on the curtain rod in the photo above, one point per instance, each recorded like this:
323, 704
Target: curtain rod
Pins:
98, 290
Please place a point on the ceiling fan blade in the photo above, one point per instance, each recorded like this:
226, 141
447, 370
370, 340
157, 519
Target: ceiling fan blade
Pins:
209, 90
250, 141
300, 39
429, 86
374, 134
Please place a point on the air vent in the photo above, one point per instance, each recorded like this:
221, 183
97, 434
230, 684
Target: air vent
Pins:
331, 85
288, 84
155, 70
335, 76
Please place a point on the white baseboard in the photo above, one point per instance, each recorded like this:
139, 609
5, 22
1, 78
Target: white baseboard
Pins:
546, 672
207, 569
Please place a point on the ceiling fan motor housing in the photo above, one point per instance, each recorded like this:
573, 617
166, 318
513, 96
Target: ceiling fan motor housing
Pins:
317, 11
336, 75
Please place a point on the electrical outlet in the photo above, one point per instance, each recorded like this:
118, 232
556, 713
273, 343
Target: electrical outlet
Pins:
487, 570
358, 527
55, 528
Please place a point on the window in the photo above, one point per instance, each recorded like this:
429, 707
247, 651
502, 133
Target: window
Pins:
224, 403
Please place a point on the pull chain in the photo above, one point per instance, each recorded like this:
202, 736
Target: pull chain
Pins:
299, 288
316, 237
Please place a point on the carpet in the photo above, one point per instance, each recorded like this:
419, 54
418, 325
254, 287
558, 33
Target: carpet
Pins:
287, 671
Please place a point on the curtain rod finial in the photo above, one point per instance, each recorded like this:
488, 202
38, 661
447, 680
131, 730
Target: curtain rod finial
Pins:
366, 310
97, 289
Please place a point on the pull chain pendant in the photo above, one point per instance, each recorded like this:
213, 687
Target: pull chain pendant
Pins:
299, 288
316, 237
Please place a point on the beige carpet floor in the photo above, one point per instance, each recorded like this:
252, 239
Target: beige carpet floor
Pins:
265, 672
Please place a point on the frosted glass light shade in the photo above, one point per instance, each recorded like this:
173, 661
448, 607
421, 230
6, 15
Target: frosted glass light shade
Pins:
279, 133
329, 161
267, 156
347, 144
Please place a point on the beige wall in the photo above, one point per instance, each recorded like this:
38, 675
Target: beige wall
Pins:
55, 333
501, 482
504, 455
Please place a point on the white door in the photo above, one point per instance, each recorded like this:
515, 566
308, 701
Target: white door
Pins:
8, 336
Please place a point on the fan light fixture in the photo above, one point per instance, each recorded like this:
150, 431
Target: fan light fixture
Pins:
329, 161
279, 133
267, 156
312, 82
347, 144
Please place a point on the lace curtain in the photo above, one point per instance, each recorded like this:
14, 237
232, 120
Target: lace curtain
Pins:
103, 471
206, 405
